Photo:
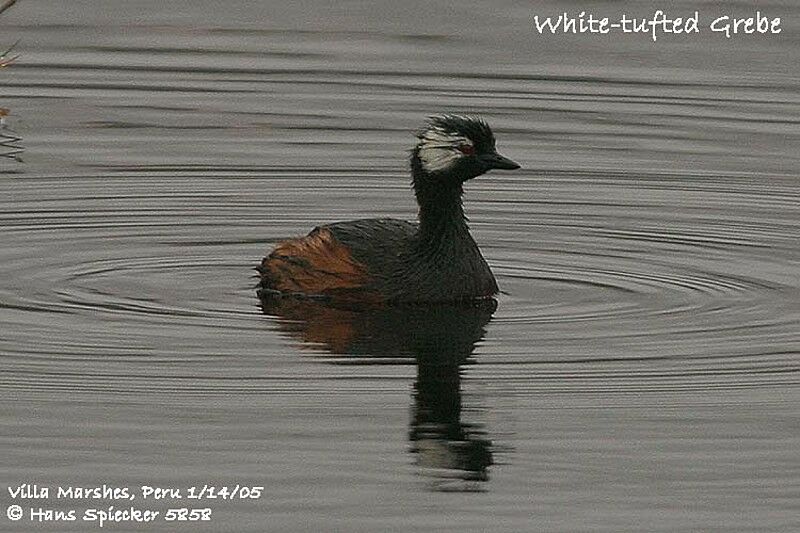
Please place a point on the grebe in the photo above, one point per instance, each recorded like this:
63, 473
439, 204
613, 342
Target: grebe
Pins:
385, 260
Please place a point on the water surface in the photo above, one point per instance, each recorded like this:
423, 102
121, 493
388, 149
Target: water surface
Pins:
640, 371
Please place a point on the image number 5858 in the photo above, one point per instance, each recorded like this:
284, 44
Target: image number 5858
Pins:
183, 514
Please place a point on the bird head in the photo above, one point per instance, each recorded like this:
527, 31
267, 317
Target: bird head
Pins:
455, 148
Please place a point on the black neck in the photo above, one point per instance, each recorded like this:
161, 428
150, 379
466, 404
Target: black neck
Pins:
441, 214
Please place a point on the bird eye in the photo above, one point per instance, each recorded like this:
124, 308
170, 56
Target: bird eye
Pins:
466, 149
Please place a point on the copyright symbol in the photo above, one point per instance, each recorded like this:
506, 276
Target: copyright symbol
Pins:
14, 512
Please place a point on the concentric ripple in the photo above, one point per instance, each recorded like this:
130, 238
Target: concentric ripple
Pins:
582, 280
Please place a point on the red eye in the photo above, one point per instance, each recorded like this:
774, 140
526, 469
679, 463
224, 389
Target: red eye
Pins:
466, 149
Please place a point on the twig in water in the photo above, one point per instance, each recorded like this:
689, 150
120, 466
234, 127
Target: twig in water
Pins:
5, 62
8, 4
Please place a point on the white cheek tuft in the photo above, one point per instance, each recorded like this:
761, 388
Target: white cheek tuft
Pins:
439, 149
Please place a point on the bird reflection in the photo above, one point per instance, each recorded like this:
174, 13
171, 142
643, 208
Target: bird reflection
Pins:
439, 339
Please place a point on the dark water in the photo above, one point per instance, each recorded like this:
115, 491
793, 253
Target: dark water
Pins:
640, 372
